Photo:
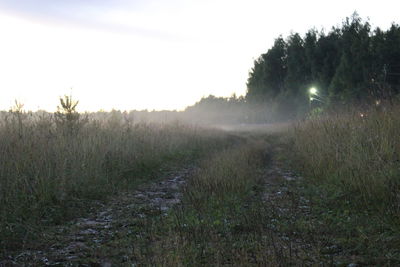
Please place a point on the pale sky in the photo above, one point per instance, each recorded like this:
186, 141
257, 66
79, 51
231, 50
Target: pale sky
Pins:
150, 54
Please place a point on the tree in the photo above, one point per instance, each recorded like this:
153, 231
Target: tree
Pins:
266, 79
352, 74
67, 118
348, 64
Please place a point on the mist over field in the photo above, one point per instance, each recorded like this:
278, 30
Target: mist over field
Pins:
303, 168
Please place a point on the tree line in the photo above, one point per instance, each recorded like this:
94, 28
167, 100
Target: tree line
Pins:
351, 64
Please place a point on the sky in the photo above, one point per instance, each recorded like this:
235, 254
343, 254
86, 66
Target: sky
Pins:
150, 54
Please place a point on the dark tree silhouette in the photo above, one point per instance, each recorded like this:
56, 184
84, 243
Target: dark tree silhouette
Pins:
350, 64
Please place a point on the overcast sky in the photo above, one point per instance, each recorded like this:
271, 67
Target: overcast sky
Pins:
150, 54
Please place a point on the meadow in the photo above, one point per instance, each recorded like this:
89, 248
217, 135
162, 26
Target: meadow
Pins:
321, 191
350, 161
53, 163
357, 154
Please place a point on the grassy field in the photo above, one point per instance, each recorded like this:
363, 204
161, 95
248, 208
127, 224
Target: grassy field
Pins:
351, 163
322, 192
358, 155
51, 164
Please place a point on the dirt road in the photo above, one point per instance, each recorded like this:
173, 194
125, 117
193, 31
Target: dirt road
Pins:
90, 241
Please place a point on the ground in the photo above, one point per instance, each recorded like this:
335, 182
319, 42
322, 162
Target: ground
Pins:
267, 222
85, 241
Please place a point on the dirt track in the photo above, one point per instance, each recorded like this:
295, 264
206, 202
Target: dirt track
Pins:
84, 241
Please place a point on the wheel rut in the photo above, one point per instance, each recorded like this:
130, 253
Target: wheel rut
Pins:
91, 240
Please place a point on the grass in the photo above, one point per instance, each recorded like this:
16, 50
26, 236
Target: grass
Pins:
357, 155
237, 209
221, 220
352, 177
51, 164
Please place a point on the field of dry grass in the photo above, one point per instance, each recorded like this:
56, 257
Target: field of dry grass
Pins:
52, 163
357, 153
351, 165
324, 191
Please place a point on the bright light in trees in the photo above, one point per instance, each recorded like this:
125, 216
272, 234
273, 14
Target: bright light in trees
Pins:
313, 91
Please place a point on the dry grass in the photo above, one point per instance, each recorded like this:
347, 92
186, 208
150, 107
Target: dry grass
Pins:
351, 165
50, 162
221, 220
359, 155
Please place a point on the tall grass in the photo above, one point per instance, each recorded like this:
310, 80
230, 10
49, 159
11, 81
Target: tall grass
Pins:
221, 220
357, 154
49, 161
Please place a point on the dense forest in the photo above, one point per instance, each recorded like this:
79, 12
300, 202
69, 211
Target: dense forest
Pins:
349, 65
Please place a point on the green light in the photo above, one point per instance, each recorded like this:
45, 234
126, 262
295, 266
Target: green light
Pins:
313, 91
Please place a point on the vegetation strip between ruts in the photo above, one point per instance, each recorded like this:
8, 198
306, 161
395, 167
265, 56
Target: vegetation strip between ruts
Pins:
215, 222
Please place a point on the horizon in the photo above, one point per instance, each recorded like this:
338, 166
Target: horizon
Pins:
149, 55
